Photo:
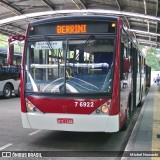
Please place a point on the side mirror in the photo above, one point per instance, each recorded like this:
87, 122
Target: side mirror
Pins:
11, 47
10, 54
126, 65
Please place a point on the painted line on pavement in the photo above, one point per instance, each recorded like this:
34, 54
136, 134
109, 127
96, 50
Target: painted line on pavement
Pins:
35, 132
156, 123
5, 146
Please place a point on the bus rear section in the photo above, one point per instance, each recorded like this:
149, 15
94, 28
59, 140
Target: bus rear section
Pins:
71, 75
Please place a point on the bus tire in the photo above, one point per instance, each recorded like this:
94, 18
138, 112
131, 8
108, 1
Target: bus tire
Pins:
141, 99
7, 91
125, 126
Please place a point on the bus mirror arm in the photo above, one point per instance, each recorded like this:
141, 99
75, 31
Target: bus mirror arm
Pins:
11, 41
10, 54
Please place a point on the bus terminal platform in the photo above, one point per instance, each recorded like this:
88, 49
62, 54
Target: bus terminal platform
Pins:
145, 137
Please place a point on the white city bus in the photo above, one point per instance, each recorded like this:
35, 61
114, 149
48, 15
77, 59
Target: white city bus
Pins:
9, 74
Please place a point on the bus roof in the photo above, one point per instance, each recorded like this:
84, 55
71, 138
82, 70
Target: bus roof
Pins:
4, 50
74, 18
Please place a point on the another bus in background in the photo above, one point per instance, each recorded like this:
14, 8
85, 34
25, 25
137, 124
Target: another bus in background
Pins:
9, 74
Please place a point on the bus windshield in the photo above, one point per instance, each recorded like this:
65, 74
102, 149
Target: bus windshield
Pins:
79, 66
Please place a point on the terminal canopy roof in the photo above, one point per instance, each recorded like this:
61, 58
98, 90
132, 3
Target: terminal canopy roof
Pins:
141, 16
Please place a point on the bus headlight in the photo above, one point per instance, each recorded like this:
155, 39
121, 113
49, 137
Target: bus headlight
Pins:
30, 107
105, 109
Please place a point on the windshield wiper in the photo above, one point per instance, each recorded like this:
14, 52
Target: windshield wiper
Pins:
85, 44
48, 43
88, 40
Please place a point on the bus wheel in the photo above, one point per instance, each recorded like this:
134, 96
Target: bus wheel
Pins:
125, 126
7, 91
141, 99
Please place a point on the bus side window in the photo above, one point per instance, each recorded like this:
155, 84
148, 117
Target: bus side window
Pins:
121, 61
125, 60
0, 68
1, 64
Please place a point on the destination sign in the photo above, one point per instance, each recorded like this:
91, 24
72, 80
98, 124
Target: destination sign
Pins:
64, 28
71, 29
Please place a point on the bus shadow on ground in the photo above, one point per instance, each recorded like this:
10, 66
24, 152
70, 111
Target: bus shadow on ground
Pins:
13, 96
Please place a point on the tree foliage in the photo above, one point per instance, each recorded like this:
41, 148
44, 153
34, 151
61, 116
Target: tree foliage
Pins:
152, 60
4, 43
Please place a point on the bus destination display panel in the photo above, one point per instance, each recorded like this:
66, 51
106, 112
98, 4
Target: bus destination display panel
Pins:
73, 28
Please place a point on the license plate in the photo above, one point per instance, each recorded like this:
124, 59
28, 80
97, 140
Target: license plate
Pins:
64, 120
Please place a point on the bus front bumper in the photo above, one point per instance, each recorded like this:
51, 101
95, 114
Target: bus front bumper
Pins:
71, 122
